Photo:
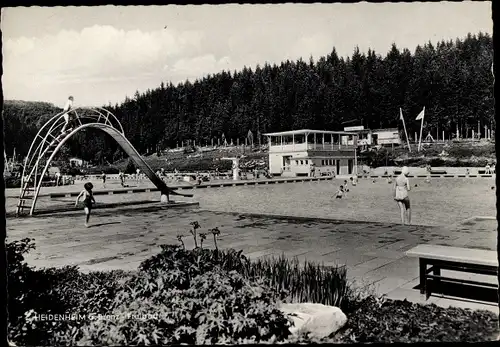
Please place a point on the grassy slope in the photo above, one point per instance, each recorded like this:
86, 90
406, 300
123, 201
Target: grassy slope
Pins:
199, 161
451, 154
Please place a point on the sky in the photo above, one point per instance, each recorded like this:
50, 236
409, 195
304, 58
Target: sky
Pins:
100, 55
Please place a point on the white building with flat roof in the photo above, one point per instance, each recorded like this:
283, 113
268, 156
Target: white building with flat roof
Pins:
305, 152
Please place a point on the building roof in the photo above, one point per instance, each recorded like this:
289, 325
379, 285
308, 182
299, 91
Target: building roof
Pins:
308, 131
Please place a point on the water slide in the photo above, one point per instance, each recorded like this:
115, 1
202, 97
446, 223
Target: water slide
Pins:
138, 161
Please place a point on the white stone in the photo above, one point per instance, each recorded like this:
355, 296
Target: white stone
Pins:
318, 319
164, 198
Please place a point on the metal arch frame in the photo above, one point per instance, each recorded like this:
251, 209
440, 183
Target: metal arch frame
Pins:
105, 127
56, 123
57, 118
43, 142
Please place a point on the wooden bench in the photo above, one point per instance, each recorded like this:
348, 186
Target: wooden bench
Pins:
434, 258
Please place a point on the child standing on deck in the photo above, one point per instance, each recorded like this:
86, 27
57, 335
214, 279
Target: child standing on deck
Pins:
87, 201
122, 178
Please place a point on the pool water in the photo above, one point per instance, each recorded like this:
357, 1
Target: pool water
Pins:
443, 201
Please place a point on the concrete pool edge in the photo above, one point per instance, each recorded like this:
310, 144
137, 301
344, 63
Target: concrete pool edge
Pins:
142, 203
313, 219
476, 219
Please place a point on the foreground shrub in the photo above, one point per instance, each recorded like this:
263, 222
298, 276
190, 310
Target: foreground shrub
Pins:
56, 291
377, 320
403, 321
12, 182
218, 307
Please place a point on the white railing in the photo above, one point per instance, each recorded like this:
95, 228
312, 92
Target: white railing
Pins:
299, 147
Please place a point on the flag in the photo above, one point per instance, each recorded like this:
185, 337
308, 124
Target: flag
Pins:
421, 114
401, 114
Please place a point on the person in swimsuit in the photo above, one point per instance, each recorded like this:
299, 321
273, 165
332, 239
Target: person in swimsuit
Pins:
345, 186
138, 175
340, 193
66, 109
401, 188
122, 178
487, 169
87, 201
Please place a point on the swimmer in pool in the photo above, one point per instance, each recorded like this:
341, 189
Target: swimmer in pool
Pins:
401, 189
87, 201
353, 182
340, 193
345, 186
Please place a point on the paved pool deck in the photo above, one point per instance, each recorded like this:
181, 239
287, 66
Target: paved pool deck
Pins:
374, 253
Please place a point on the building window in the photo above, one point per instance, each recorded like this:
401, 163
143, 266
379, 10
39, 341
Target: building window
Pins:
306, 162
296, 162
301, 162
322, 162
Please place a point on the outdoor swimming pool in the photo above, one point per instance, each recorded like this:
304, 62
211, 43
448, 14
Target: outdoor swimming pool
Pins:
443, 201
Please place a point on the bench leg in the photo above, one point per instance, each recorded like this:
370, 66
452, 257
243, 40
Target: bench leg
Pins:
437, 272
428, 289
423, 272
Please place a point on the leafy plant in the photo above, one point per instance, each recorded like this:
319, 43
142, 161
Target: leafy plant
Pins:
195, 226
203, 237
130, 168
179, 238
215, 232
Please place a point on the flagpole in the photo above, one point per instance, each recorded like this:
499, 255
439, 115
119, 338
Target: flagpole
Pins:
404, 126
421, 129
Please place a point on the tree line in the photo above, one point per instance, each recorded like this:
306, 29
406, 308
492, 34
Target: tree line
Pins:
452, 79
